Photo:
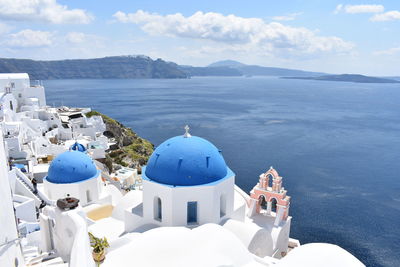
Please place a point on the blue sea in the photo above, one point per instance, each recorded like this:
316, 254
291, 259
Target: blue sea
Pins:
336, 144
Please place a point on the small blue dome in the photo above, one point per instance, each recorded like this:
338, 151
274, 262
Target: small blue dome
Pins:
78, 147
186, 161
71, 167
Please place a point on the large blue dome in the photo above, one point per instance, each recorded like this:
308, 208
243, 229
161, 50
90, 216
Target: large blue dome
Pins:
71, 167
186, 161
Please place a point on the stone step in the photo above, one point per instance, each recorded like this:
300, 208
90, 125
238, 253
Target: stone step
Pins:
56, 262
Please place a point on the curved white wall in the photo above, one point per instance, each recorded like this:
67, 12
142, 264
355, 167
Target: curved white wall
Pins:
174, 202
256, 239
78, 190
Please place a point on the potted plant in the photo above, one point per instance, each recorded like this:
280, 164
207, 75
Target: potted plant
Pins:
99, 246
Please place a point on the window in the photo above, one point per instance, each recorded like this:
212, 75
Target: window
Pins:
157, 209
273, 204
263, 204
11, 106
88, 198
270, 180
19, 95
222, 206
192, 212
12, 85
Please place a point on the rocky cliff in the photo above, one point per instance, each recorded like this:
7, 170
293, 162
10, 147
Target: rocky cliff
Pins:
130, 150
118, 67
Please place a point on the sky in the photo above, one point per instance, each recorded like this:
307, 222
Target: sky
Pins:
317, 35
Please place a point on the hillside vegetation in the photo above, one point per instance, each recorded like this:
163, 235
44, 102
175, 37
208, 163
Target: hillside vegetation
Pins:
130, 149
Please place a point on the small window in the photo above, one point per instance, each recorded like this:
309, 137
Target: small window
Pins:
88, 197
222, 206
192, 212
19, 95
157, 209
11, 106
12, 85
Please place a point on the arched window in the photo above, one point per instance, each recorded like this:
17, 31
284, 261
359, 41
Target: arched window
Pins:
263, 203
270, 180
157, 209
222, 206
273, 204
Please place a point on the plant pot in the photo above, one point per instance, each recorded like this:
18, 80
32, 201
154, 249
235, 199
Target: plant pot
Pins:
99, 256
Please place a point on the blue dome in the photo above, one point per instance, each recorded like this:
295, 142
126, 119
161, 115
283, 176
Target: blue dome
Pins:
71, 167
78, 147
185, 161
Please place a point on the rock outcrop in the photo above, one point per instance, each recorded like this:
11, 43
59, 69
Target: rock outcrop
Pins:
130, 150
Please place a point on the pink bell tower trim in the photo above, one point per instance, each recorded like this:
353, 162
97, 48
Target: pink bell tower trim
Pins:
270, 197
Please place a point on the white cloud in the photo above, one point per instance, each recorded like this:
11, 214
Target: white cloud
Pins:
75, 37
355, 9
338, 8
388, 52
237, 32
390, 15
287, 17
4, 28
42, 10
29, 38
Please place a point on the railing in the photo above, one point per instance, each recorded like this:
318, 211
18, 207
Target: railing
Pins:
36, 83
11, 241
26, 185
23, 178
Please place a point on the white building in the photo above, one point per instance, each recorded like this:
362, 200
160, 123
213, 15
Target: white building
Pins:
186, 183
73, 173
11, 254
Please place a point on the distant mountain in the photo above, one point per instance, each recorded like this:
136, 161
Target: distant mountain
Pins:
143, 67
119, 67
392, 77
356, 78
255, 70
210, 71
227, 63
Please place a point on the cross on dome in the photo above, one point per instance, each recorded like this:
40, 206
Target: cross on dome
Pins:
187, 134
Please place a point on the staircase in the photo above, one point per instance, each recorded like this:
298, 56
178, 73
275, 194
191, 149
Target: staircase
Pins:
105, 175
30, 252
35, 259
29, 189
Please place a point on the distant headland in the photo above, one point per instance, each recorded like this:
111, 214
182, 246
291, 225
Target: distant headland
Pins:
143, 67
355, 78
